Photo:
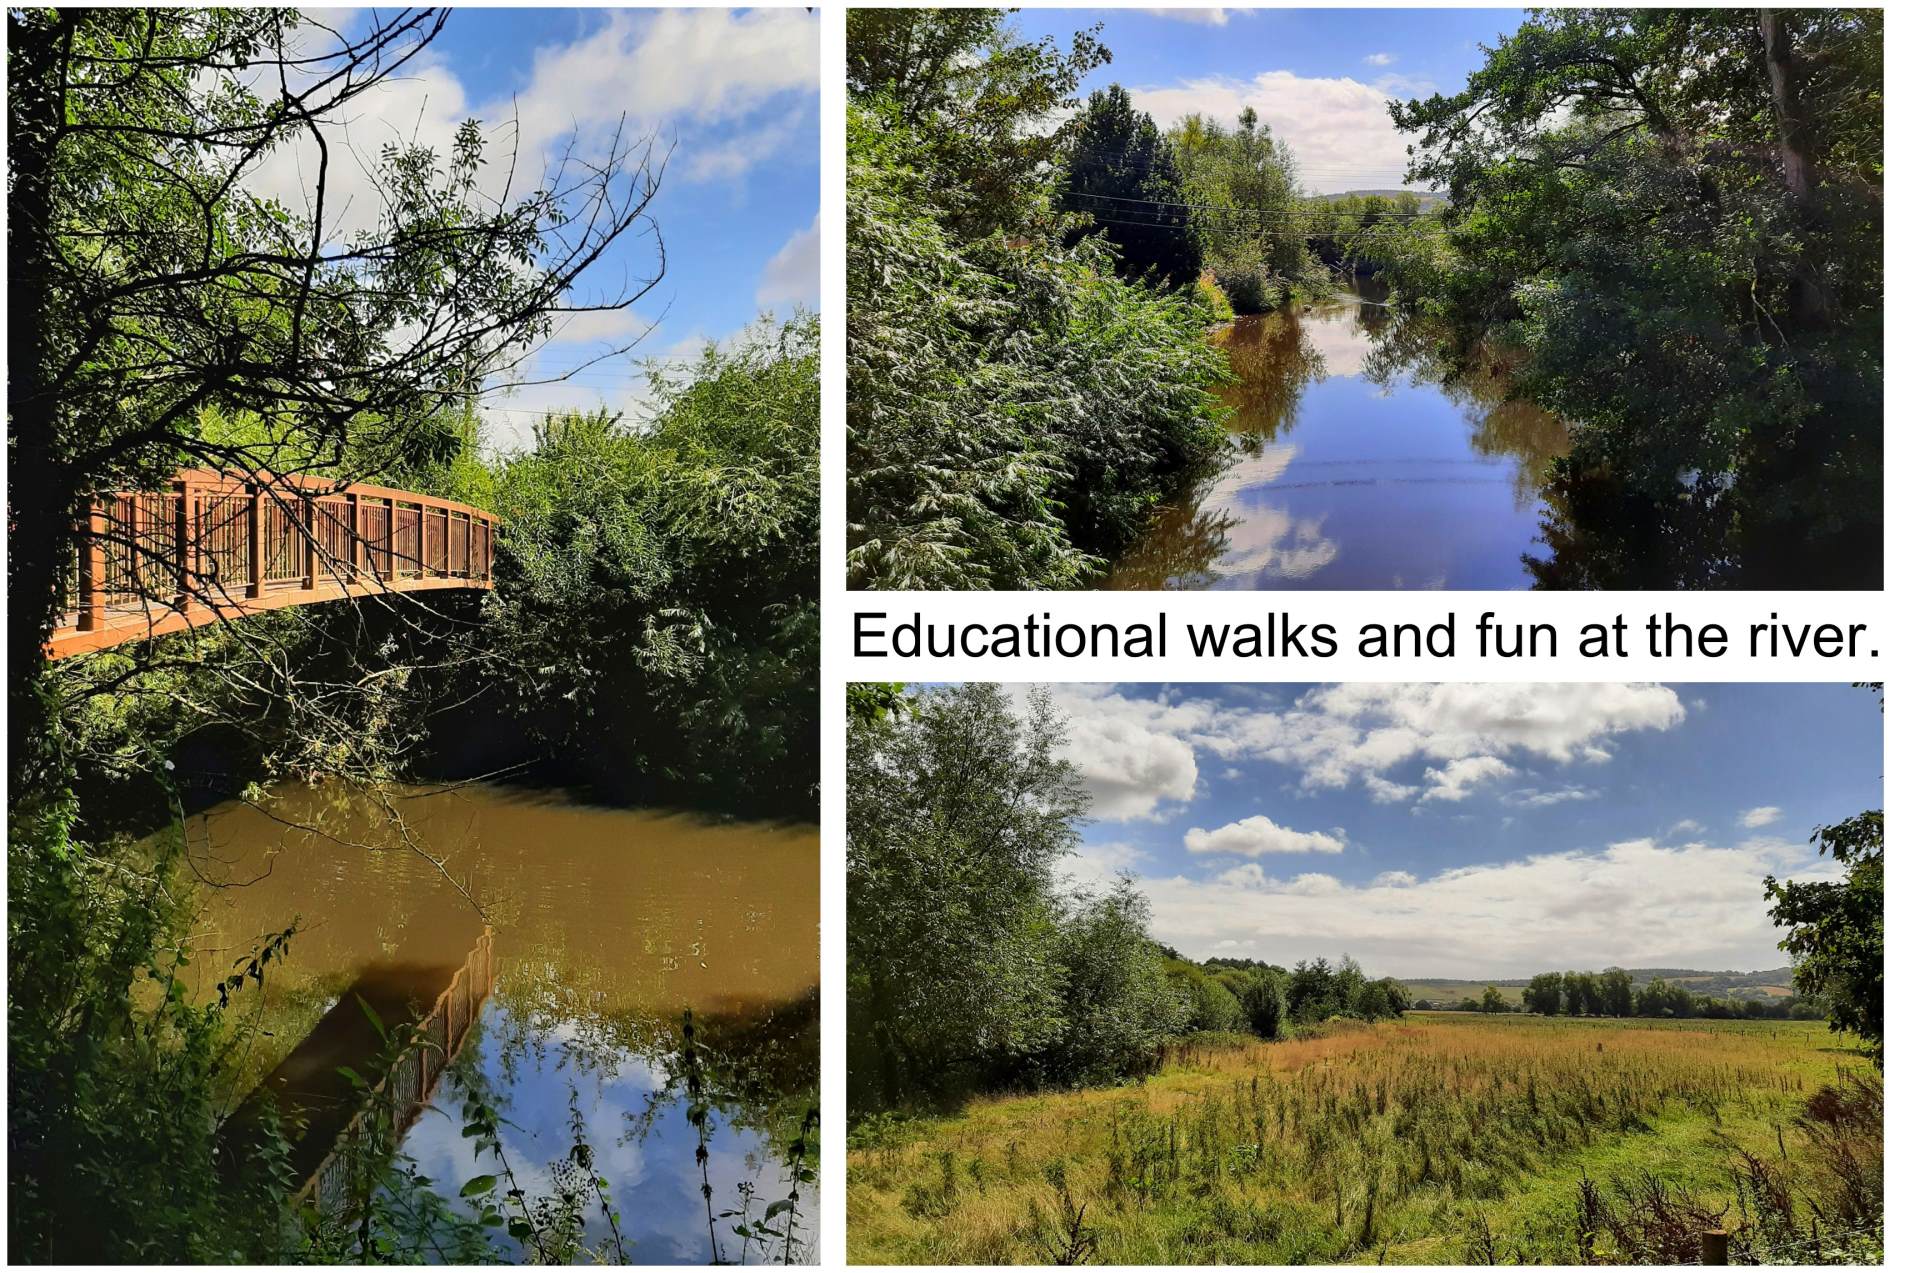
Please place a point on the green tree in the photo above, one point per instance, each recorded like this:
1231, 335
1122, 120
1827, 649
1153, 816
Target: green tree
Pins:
1491, 1000
1543, 994
1121, 174
979, 113
695, 534
1613, 990
1680, 214
1264, 999
151, 289
956, 813
1836, 929
1117, 1005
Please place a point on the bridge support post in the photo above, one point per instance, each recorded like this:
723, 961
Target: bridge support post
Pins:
469, 554
309, 554
256, 541
393, 534
353, 536
446, 542
420, 544
92, 602
182, 542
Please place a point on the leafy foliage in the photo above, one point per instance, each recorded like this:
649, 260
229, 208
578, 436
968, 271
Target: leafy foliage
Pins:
1679, 214
1015, 409
655, 583
1837, 929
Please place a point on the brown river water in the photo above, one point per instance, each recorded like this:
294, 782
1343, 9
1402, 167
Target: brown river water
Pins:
609, 925
1355, 465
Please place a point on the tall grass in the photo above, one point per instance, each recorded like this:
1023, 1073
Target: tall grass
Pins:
1428, 1140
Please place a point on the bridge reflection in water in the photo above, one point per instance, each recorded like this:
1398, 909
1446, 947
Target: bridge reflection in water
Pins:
336, 1118
219, 546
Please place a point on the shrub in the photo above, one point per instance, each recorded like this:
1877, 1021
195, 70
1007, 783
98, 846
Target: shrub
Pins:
1213, 298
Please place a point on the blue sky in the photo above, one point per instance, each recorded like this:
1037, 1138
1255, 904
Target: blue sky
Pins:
1468, 830
1320, 77
735, 92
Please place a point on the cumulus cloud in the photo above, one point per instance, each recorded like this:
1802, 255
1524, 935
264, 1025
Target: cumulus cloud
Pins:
709, 80
1338, 128
1098, 865
1379, 59
1760, 816
1533, 798
1456, 780
1384, 792
792, 277
1252, 837
1635, 903
1139, 753
1130, 754
1686, 826
1204, 17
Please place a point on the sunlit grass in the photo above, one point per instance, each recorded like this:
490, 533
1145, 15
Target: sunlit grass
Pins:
1416, 1141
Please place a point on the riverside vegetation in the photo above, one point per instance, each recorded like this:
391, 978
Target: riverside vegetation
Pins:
229, 333
1034, 1080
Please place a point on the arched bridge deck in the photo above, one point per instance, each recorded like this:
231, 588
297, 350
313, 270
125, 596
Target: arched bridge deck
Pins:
219, 546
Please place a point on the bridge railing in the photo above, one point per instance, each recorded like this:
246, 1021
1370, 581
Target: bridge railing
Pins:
407, 1087
219, 545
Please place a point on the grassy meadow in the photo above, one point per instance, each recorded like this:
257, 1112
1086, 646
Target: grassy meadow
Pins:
1436, 1138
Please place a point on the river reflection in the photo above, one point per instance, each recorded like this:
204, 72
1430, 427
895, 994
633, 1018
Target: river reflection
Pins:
1355, 465
610, 925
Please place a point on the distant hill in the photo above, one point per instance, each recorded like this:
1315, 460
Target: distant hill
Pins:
1770, 983
1428, 199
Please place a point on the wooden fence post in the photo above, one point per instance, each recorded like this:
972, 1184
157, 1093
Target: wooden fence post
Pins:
420, 544
92, 602
1713, 1246
183, 541
309, 557
256, 541
393, 533
353, 536
469, 553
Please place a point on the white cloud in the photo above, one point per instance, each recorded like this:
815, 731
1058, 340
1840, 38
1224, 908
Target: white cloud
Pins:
1761, 816
1533, 798
1686, 826
1338, 128
1379, 59
1259, 834
699, 76
792, 277
1635, 903
1128, 764
1096, 866
1384, 792
1456, 780
1139, 753
1203, 17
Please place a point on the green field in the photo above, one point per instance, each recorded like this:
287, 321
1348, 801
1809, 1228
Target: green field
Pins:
1443, 1138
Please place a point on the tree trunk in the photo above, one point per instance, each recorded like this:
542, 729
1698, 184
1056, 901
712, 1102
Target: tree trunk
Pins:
1808, 304
39, 498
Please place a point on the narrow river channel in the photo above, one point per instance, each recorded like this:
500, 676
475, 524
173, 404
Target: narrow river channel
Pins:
609, 926
1354, 465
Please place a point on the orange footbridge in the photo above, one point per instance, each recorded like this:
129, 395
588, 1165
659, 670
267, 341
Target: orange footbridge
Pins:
219, 546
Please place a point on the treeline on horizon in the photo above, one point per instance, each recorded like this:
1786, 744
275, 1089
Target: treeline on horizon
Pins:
1611, 993
971, 965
